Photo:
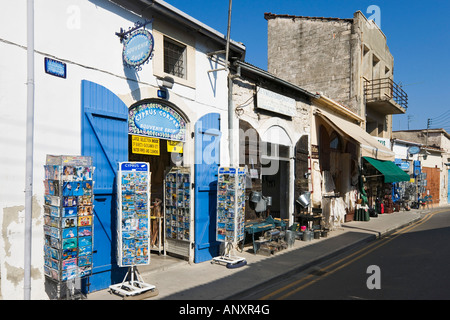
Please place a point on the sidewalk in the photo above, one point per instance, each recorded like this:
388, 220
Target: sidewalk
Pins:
176, 279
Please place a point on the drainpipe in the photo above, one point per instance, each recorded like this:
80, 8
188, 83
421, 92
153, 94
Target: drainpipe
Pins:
29, 149
230, 91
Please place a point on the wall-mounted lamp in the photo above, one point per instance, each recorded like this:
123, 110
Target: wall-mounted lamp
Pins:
167, 82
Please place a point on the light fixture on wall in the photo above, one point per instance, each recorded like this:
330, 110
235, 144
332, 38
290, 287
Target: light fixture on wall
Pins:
166, 82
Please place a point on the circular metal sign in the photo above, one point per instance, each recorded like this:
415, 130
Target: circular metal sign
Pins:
138, 48
413, 150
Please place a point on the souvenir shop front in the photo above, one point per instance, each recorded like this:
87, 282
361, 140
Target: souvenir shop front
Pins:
274, 127
183, 174
379, 179
338, 147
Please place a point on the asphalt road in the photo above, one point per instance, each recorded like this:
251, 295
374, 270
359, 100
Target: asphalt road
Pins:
411, 263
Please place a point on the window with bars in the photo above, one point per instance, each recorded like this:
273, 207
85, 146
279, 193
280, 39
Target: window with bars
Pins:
174, 58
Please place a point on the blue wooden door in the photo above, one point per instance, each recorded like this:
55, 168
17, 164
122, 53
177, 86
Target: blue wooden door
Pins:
207, 160
104, 137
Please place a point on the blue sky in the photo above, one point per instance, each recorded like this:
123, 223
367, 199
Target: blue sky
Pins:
417, 35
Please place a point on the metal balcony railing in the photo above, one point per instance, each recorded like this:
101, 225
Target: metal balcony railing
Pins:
385, 89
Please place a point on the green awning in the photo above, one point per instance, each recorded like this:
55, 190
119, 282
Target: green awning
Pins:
389, 169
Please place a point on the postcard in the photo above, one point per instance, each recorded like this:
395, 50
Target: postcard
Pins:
69, 253
85, 271
84, 210
87, 188
69, 233
85, 200
69, 243
69, 274
85, 231
82, 251
127, 261
69, 201
84, 221
69, 222
85, 260
69, 211
84, 241
69, 263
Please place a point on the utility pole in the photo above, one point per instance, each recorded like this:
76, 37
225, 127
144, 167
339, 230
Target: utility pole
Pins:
428, 127
29, 150
230, 90
409, 119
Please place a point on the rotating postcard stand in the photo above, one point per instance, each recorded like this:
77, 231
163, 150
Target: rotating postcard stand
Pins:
133, 248
68, 222
230, 214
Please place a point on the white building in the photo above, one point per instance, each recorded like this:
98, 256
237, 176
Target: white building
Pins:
85, 113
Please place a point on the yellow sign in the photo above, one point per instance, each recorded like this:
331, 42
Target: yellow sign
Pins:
174, 146
145, 145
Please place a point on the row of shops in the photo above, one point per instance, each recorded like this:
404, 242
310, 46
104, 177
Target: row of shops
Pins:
157, 94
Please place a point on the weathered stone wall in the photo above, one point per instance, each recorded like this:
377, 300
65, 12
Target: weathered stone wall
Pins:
314, 54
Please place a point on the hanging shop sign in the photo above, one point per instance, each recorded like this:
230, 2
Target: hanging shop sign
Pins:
145, 145
414, 150
137, 48
156, 120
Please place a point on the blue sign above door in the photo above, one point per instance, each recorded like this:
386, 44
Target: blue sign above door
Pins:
138, 48
156, 120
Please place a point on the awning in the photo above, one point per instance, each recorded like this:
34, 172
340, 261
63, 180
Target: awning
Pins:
370, 147
389, 169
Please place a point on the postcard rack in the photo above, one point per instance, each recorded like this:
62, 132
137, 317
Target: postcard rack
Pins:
177, 215
133, 221
230, 212
68, 218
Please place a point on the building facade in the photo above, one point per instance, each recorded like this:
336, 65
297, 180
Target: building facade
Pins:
347, 60
273, 127
86, 90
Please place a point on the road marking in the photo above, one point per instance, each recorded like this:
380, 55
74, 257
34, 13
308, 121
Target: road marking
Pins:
324, 272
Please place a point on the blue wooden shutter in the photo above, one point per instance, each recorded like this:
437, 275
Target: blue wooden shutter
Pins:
104, 136
207, 160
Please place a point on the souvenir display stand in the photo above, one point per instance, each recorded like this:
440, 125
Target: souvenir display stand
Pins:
133, 203
177, 213
230, 214
68, 221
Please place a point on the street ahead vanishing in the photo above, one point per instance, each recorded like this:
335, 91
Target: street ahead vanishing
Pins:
409, 264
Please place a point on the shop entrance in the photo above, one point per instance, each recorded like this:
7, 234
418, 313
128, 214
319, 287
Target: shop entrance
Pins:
276, 186
155, 152
160, 163
275, 178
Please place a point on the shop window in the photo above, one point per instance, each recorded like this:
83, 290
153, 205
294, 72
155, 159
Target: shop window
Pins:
174, 58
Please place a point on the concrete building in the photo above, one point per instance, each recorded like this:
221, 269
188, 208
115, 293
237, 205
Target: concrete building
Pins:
347, 60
